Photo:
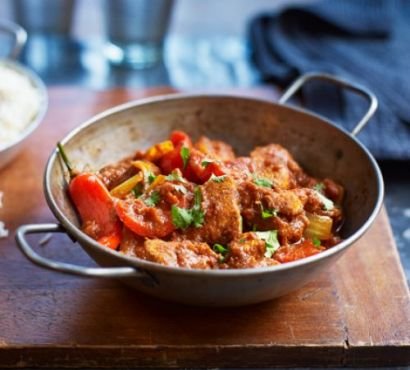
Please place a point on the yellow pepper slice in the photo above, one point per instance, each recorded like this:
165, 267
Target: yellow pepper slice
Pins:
160, 179
125, 187
158, 150
146, 167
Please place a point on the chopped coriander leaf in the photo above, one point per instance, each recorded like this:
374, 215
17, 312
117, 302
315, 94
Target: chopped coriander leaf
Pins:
185, 155
180, 189
197, 197
263, 182
197, 213
174, 176
137, 190
219, 248
206, 162
218, 179
181, 217
197, 217
268, 213
153, 199
326, 202
316, 242
151, 177
222, 250
271, 241
319, 187
242, 240
254, 228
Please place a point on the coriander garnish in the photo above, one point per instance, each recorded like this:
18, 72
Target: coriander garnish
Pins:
271, 241
151, 177
185, 154
153, 199
319, 187
268, 213
138, 190
197, 213
219, 248
175, 176
316, 242
222, 250
206, 162
218, 179
183, 217
261, 181
328, 205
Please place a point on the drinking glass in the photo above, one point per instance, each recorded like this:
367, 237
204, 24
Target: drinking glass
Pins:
136, 30
44, 16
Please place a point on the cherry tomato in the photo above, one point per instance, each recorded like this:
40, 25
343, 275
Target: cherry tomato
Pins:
150, 222
96, 208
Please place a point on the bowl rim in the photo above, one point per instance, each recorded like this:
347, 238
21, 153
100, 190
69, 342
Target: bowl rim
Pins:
40, 86
143, 265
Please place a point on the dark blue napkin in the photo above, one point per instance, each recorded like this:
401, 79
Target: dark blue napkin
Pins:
366, 41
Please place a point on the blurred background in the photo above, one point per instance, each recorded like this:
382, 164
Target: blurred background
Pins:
204, 43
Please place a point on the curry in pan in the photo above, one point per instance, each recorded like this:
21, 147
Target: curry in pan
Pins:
197, 205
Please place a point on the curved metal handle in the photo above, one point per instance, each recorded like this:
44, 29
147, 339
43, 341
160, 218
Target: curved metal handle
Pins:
106, 272
20, 37
342, 83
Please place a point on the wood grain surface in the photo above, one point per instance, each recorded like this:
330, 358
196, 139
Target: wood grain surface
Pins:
357, 314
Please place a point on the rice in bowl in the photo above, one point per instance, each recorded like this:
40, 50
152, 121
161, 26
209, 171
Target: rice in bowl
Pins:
20, 103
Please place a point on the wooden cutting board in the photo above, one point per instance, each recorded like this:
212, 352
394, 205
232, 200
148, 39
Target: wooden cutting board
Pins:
357, 314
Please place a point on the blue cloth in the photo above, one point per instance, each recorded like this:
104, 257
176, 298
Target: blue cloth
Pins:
366, 41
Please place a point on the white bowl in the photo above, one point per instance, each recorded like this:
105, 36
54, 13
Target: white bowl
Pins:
8, 152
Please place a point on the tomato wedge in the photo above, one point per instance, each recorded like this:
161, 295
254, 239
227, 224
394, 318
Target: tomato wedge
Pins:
180, 138
151, 222
96, 208
200, 168
296, 252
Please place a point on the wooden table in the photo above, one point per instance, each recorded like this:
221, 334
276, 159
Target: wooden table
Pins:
357, 314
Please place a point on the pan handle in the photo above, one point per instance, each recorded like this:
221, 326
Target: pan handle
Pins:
105, 272
20, 37
292, 89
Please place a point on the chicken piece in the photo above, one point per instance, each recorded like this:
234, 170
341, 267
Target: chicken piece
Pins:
333, 191
275, 163
240, 168
268, 209
185, 253
313, 203
175, 193
215, 149
222, 221
254, 199
132, 245
114, 174
248, 252
288, 231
